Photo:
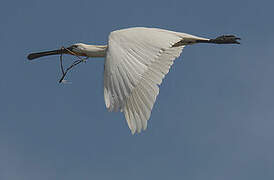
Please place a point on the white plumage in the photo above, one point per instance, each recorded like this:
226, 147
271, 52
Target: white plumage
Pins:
137, 60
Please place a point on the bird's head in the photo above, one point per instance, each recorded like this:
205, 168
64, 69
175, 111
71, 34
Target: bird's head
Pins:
77, 49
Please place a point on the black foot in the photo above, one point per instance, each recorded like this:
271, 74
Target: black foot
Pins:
225, 39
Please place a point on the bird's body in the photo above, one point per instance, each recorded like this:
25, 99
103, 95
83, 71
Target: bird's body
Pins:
137, 59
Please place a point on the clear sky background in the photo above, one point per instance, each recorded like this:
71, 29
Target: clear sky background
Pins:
213, 118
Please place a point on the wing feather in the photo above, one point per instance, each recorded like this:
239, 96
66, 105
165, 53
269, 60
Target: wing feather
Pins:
137, 61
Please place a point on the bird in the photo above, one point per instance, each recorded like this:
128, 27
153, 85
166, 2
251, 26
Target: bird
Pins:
136, 61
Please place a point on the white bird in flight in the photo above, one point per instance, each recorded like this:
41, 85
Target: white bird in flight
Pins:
136, 61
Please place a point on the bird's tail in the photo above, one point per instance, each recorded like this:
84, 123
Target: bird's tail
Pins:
45, 53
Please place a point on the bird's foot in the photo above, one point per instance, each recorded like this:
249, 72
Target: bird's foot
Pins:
225, 39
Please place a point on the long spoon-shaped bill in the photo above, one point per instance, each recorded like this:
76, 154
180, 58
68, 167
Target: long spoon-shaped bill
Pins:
49, 53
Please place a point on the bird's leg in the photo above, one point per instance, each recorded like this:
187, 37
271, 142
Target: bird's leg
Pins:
225, 39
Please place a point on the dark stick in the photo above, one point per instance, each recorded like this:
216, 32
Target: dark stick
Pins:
71, 66
61, 62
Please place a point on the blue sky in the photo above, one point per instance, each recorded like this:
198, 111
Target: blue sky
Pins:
213, 118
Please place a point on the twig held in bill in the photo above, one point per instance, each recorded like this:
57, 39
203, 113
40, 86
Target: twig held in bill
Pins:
64, 72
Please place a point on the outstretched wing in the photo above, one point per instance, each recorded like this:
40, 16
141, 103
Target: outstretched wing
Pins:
137, 60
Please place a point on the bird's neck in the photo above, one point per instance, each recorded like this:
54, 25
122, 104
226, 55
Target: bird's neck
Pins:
95, 50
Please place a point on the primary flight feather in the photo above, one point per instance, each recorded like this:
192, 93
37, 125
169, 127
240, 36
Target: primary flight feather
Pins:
136, 61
